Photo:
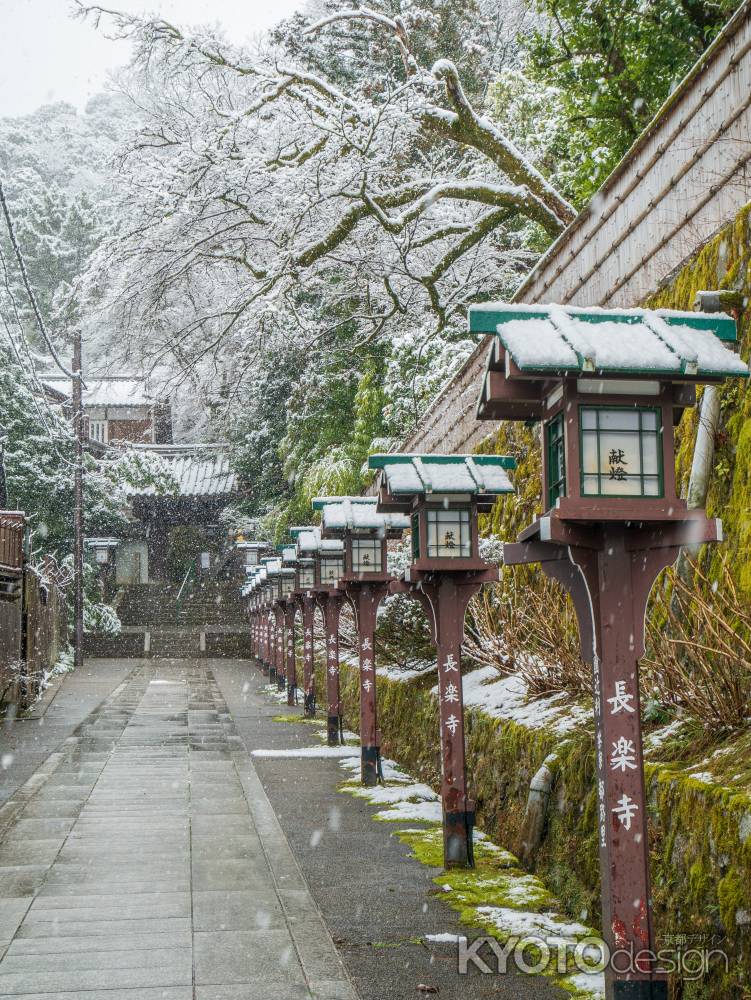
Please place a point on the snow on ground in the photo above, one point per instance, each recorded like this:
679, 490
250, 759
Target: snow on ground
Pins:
391, 770
319, 751
704, 776
548, 926
273, 692
655, 740
588, 982
397, 674
507, 698
445, 938
425, 812
390, 794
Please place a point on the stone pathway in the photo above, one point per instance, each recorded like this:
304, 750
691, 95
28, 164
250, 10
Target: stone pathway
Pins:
144, 861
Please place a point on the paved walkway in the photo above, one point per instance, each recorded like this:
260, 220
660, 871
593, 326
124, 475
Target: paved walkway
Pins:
143, 861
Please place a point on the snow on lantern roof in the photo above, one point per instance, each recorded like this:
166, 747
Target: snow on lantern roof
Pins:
357, 514
289, 554
418, 475
574, 340
308, 540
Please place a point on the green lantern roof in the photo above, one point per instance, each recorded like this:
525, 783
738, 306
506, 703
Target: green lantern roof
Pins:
568, 340
419, 475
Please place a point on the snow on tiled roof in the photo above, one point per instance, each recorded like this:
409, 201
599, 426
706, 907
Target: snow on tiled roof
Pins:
570, 339
116, 390
200, 470
424, 474
357, 514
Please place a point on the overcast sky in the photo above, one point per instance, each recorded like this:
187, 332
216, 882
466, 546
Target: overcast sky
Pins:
45, 56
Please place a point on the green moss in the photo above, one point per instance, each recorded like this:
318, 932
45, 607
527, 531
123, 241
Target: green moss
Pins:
300, 720
733, 896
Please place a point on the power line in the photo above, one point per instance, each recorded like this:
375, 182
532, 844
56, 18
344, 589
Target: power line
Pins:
29, 289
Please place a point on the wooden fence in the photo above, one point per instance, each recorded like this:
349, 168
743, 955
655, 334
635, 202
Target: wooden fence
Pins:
33, 616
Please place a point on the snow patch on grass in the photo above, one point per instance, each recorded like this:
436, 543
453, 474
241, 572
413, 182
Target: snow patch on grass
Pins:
400, 674
655, 740
319, 751
508, 698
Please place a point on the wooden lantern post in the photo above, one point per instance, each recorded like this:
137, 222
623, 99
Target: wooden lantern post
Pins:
259, 602
304, 598
328, 563
267, 636
104, 556
251, 553
443, 495
329, 570
608, 387
289, 604
365, 582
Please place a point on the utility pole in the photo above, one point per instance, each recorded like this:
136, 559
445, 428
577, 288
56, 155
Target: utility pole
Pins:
3, 483
78, 502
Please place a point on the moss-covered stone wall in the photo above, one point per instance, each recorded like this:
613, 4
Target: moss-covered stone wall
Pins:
724, 262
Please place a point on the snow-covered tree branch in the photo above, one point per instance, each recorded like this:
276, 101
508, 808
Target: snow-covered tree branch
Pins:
267, 194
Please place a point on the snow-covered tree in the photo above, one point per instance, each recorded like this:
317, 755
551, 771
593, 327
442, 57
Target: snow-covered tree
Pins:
260, 197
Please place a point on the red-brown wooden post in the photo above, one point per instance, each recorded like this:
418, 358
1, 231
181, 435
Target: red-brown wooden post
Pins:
365, 598
281, 678
254, 633
331, 605
291, 671
269, 646
309, 681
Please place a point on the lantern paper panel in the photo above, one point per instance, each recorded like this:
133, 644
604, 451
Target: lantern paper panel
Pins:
449, 534
306, 576
621, 452
332, 567
367, 555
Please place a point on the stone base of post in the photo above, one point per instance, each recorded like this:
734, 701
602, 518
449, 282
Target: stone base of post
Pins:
458, 843
334, 730
272, 675
292, 694
281, 682
310, 704
370, 758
